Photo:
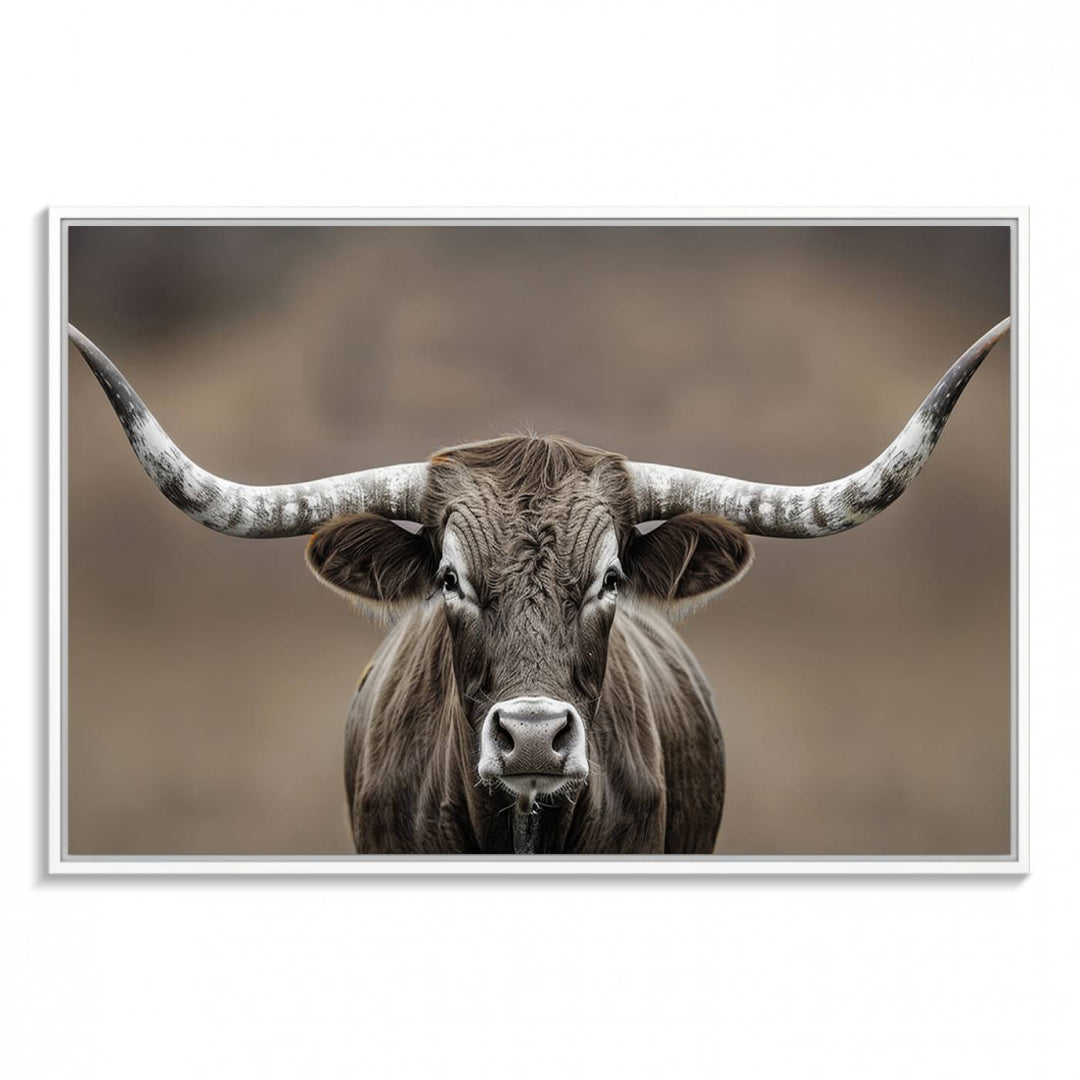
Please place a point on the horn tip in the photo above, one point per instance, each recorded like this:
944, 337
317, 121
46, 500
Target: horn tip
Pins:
997, 332
78, 338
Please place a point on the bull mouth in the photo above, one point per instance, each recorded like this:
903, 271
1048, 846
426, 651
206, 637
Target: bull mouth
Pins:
532, 785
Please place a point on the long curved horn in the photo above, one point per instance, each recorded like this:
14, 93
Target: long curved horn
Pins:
817, 509
241, 509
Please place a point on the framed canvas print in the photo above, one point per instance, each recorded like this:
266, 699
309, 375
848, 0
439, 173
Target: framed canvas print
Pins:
538, 542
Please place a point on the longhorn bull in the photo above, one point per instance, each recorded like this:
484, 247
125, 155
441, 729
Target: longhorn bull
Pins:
531, 666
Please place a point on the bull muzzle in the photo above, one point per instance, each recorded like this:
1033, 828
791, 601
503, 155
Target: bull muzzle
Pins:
533, 746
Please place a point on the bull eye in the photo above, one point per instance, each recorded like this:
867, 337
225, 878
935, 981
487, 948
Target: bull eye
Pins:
611, 581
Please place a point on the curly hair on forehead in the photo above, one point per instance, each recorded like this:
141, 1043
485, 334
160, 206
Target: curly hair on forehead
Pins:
527, 476
529, 464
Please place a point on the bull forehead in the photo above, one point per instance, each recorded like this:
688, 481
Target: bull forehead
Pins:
509, 539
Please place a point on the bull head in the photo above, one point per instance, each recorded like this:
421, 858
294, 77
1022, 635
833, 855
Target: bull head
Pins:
530, 542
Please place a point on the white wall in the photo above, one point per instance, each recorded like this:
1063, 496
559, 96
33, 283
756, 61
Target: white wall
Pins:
605, 104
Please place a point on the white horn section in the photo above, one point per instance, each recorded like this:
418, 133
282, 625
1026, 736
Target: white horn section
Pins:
662, 491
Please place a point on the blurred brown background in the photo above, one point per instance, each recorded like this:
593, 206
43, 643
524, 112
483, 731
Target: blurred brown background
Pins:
863, 680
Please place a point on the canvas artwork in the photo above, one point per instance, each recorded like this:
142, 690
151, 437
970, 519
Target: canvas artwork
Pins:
484, 543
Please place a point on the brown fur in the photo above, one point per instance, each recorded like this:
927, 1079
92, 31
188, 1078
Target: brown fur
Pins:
372, 560
531, 514
688, 561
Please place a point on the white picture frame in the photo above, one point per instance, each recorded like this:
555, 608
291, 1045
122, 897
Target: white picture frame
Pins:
62, 863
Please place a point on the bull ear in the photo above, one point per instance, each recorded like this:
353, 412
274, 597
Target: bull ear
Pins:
375, 562
685, 562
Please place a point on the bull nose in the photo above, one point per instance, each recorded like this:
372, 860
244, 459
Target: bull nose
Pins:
528, 737
535, 741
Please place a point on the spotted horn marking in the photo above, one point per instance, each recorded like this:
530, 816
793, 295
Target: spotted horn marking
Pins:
816, 509
394, 491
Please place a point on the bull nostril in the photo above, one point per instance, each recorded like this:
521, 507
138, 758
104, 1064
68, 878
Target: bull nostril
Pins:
563, 737
503, 739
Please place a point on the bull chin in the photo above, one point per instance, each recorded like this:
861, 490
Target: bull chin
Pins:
528, 787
